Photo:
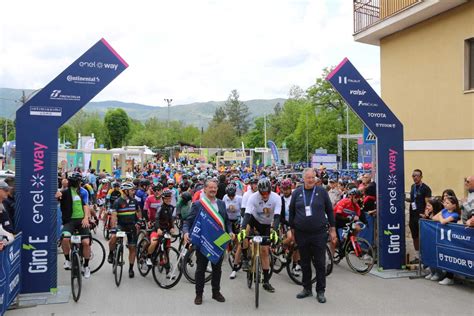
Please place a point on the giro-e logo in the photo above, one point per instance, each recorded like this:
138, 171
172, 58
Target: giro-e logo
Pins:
99, 65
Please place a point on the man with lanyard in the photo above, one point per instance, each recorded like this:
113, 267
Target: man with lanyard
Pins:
310, 213
209, 205
263, 208
142, 195
125, 214
233, 204
163, 223
419, 196
153, 202
75, 216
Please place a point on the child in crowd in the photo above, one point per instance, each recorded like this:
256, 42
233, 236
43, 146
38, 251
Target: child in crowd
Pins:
450, 214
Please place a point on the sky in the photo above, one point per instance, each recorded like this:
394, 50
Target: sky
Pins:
190, 51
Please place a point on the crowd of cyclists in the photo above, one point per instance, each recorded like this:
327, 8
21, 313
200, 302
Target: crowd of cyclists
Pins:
159, 196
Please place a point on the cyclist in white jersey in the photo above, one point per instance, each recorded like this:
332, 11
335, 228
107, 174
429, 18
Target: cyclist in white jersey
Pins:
263, 208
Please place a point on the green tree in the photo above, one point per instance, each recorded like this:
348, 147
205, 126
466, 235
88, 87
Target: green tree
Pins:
66, 134
117, 124
219, 115
219, 135
237, 113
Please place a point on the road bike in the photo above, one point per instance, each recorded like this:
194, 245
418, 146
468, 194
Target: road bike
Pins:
165, 263
117, 264
358, 251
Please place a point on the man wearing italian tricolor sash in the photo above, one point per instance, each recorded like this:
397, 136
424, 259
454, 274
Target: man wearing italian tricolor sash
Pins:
211, 231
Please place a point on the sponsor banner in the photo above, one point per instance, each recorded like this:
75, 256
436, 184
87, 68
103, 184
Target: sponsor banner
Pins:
102, 162
208, 237
37, 152
449, 247
274, 150
10, 264
369, 137
388, 130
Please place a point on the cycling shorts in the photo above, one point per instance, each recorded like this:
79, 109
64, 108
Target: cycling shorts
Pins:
259, 229
75, 225
131, 230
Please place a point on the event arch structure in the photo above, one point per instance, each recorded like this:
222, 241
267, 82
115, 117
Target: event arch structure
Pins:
381, 121
37, 124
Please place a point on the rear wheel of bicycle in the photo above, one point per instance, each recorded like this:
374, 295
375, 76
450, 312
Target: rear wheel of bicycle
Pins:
166, 271
360, 259
97, 257
257, 279
142, 252
296, 275
76, 278
329, 261
118, 268
105, 229
190, 265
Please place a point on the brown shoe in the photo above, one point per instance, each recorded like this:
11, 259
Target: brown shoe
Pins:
218, 297
198, 299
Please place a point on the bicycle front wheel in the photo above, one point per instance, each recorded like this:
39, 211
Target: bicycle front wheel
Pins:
118, 268
97, 258
360, 255
329, 261
76, 278
294, 270
257, 279
190, 265
166, 271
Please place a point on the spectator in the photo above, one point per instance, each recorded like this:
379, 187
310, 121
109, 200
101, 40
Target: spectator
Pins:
450, 214
419, 195
446, 193
433, 207
93, 180
467, 215
334, 192
221, 187
6, 225
369, 204
9, 202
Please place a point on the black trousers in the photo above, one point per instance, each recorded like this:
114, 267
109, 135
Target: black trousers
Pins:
312, 248
202, 262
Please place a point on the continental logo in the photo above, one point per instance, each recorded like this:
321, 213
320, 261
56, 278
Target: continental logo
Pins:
82, 80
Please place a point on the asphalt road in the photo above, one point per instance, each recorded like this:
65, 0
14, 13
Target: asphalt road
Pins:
347, 293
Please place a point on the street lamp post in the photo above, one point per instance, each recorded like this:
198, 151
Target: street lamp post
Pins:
168, 101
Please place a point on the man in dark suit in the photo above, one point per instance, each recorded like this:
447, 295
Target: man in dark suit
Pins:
210, 190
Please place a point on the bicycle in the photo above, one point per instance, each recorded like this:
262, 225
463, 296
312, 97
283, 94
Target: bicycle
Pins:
358, 251
107, 223
189, 265
165, 261
298, 277
76, 266
255, 272
117, 264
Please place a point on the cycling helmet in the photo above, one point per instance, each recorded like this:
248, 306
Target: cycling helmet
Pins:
170, 181
127, 186
167, 169
104, 181
75, 179
145, 174
194, 179
247, 181
264, 185
156, 171
355, 192
184, 186
157, 187
201, 177
85, 179
286, 184
186, 197
230, 190
115, 184
144, 182
253, 180
166, 193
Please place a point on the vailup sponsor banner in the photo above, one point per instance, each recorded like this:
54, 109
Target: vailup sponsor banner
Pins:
37, 123
388, 130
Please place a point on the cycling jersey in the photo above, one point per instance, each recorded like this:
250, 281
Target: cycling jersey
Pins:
165, 216
246, 196
126, 210
113, 195
84, 195
103, 190
232, 206
140, 197
152, 205
263, 211
346, 203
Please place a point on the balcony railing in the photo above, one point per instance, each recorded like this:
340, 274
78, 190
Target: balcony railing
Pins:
369, 12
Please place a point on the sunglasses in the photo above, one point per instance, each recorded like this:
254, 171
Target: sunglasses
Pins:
265, 194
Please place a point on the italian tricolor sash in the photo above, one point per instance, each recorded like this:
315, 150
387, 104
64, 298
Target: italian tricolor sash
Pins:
212, 211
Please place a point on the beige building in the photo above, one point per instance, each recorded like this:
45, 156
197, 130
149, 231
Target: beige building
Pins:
427, 79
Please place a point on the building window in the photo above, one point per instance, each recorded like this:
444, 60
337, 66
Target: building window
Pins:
469, 64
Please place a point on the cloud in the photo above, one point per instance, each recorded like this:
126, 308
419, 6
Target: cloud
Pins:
186, 50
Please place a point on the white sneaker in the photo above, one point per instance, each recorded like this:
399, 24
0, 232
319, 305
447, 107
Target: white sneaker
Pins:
446, 281
296, 273
67, 265
429, 276
298, 267
148, 262
233, 275
209, 269
87, 272
435, 277
282, 258
170, 276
